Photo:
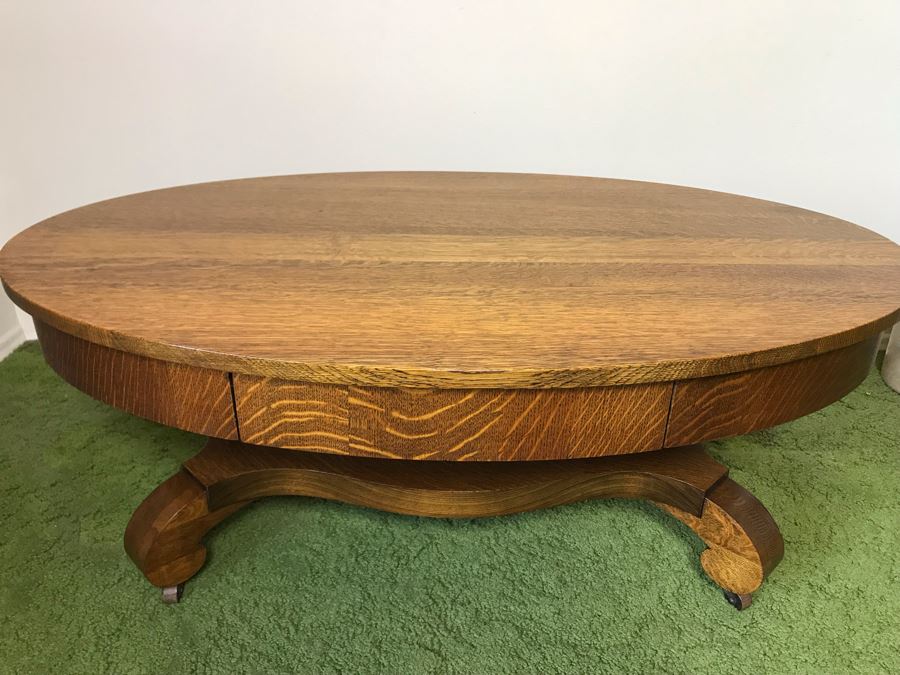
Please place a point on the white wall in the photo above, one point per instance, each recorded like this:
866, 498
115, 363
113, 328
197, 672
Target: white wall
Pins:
11, 334
792, 101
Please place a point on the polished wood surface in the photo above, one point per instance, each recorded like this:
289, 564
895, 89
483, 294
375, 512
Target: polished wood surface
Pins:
235, 472
455, 424
729, 405
451, 424
164, 537
744, 543
174, 394
456, 280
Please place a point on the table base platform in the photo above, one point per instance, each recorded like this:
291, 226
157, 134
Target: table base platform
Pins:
164, 536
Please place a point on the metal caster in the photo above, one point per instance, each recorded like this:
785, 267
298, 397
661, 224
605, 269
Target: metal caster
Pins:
172, 594
738, 601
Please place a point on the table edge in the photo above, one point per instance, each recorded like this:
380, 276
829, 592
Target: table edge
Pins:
604, 375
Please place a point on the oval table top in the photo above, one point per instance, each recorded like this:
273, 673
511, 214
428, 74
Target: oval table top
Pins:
456, 280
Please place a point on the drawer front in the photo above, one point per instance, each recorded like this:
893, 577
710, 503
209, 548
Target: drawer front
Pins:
451, 424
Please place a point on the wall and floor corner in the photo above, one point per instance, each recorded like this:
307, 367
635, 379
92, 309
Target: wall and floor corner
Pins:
890, 368
11, 334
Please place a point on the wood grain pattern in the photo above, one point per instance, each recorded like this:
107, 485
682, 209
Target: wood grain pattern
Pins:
296, 415
174, 394
164, 537
729, 405
455, 424
744, 542
451, 424
456, 280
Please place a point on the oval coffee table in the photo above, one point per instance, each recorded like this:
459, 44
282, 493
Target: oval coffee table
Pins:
455, 344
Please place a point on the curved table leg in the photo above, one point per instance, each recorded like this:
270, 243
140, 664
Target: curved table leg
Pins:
744, 543
164, 536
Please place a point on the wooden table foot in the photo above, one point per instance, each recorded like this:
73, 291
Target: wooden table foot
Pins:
744, 543
164, 536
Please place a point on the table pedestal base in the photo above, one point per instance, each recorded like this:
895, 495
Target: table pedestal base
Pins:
164, 536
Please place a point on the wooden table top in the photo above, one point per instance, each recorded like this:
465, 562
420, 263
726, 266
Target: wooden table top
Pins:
457, 280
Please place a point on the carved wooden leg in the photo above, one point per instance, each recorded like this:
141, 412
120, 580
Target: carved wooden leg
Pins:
165, 533
744, 542
163, 537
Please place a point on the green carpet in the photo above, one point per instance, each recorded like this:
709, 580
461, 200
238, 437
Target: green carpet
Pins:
303, 585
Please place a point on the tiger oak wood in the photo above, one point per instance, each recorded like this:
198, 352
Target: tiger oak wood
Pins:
743, 542
443, 331
164, 537
174, 394
451, 424
455, 424
728, 405
457, 280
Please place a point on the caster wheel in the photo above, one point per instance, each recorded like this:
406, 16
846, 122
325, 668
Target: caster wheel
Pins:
172, 594
738, 601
